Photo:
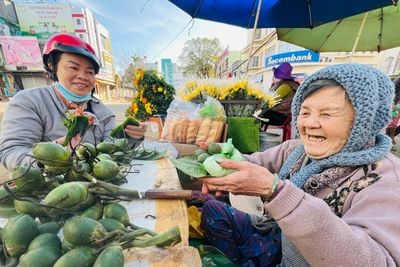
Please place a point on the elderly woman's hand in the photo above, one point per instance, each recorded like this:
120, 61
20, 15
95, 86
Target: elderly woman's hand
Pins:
136, 132
250, 179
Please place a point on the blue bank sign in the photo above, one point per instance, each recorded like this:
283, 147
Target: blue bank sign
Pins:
292, 57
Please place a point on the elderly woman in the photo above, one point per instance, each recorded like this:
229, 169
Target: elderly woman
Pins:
332, 197
36, 114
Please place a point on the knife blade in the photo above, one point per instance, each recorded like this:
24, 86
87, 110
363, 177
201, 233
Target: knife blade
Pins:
166, 194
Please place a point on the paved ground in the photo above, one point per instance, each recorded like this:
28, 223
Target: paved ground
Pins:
269, 139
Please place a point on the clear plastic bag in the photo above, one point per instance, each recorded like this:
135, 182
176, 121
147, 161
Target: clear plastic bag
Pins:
191, 123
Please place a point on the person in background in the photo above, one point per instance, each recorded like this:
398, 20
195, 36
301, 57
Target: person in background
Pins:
35, 115
332, 197
284, 88
392, 130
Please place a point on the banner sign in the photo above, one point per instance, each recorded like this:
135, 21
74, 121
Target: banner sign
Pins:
292, 57
44, 20
21, 51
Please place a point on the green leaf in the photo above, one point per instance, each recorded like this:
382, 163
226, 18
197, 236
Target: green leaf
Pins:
75, 125
189, 166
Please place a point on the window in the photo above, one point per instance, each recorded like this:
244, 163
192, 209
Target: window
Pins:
269, 51
81, 36
103, 42
254, 62
387, 65
257, 35
286, 47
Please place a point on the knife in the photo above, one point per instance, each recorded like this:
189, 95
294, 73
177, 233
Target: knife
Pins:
166, 194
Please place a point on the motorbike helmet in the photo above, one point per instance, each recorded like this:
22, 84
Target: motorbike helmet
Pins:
69, 43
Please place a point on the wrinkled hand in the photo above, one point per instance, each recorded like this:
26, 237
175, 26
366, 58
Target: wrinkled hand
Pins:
76, 140
136, 132
250, 179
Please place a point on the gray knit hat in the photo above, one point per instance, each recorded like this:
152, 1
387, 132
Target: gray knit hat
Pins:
371, 93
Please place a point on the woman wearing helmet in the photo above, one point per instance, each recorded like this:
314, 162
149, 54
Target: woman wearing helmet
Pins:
35, 115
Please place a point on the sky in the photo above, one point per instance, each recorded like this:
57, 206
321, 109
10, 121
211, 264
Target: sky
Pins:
151, 27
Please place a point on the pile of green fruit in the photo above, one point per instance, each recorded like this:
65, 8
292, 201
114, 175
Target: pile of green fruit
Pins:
96, 237
79, 191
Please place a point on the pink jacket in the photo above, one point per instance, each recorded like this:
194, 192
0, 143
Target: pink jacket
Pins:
367, 234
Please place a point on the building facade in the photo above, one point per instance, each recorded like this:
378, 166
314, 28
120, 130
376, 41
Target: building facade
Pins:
21, 49
269, 52
89, 29
171, 73
226, 60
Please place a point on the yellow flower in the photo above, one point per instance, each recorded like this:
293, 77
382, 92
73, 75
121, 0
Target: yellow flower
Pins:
160, 89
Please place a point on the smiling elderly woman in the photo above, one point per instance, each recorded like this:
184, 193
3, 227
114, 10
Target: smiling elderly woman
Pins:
337, 200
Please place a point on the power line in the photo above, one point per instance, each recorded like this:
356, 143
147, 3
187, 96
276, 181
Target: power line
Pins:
171, 41
145, 42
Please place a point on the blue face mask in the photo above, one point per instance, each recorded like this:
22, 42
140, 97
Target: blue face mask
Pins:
70, 97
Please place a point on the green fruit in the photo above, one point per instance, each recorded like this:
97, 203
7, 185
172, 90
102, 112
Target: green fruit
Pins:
48, 153
29, 207
112, 255
111, 224
28, 179
106, 170
42, 257
197, 153
5, 198
214, 148
121, 144
50, 227
83, 231
18, 233
67, 195
104, 156
202, 157
82, 257
44, 240
105, 147
56, 170
66, 246
74, 175
86, 151
94, 212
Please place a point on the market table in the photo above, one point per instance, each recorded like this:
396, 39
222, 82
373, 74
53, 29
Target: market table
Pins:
157, 215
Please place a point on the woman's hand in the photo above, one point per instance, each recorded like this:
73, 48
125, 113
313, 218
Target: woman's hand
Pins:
136, 132
250, 179
74, 141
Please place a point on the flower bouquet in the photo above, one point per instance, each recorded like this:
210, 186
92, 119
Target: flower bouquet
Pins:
153, 96
227, 90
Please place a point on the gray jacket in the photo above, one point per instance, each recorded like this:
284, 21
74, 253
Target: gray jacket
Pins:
35, 115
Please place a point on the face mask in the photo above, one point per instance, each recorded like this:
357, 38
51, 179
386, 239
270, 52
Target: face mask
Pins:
70, 97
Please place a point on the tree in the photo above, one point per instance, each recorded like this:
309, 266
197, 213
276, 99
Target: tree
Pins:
125, 62
196, 58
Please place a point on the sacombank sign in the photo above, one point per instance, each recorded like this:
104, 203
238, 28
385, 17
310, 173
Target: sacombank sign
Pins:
292, 57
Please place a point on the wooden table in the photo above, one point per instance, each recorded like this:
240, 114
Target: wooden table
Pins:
159, 174
164, 214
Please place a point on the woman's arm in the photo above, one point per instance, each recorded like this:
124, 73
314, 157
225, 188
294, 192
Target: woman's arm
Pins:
21, 128
366, 235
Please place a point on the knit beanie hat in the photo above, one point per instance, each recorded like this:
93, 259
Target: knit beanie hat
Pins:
371, 93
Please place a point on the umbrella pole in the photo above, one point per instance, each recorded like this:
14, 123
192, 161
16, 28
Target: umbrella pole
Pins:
358, 36
254, 33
